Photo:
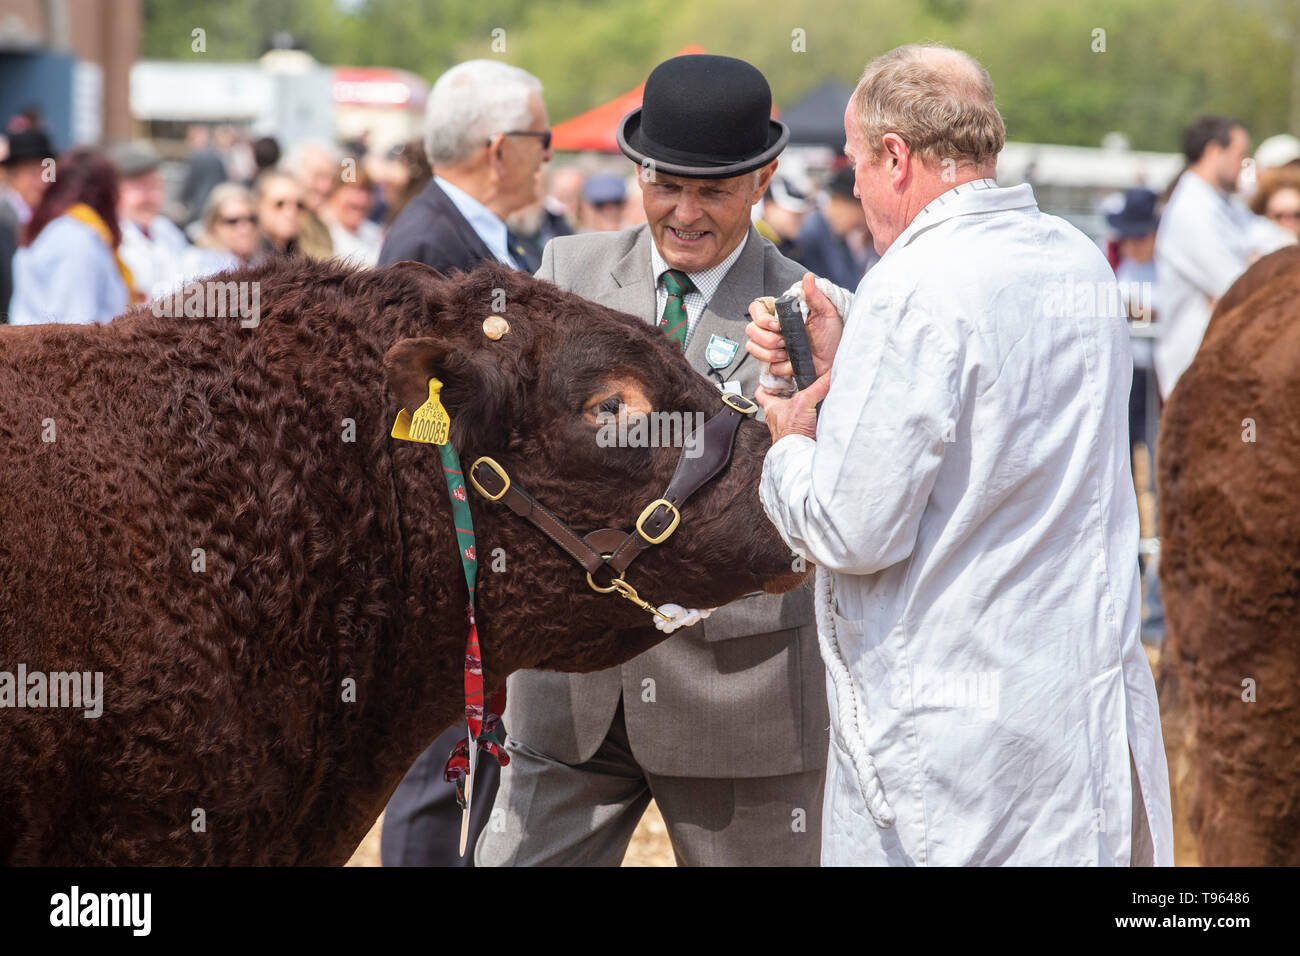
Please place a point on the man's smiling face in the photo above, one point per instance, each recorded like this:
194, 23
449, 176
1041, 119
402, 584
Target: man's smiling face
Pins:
696, 223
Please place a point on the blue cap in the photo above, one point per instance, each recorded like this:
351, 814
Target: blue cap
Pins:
1138, 215
603, 188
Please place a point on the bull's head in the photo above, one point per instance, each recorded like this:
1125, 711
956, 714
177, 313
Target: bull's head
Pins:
592, 412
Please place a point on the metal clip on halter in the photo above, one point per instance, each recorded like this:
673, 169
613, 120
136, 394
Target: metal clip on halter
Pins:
626, 590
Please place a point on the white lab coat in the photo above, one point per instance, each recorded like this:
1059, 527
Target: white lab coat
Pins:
969, 503
1204, 243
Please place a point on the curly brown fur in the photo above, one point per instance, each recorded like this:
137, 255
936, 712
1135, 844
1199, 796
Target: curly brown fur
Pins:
326, 560
1230, 567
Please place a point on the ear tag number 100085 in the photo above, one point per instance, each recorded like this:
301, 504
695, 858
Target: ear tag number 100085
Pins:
430, 423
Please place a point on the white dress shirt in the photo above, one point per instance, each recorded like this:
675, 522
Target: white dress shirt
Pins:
359, 248
161, 261
1204, 243
67, 275
21, 209
706, 284
969, 505
487, 224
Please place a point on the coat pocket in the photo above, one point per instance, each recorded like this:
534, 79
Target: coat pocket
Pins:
761, 613
864, 710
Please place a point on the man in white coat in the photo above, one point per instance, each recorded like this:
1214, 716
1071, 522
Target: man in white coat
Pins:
966, 496
1205, 242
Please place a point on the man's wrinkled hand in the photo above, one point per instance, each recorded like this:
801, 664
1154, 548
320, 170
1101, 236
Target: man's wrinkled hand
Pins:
793, 416
824, 325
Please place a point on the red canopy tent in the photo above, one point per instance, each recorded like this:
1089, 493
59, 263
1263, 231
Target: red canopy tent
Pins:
595, 129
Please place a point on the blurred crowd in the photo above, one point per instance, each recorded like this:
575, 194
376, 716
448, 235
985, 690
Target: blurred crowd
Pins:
87, 233
1175, 254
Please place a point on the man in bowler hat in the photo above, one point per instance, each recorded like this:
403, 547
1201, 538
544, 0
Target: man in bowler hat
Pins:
724, 724
24, 174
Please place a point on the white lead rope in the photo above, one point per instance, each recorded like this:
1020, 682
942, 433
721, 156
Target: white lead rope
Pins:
678, 616
846, 697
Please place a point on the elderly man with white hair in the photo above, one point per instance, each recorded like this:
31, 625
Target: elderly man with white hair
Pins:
486, 136
965, 494
315, 164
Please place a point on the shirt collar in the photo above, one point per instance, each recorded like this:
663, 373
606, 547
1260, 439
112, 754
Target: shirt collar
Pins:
976, 196
483, 220
706, 281
1190, 182
23, 210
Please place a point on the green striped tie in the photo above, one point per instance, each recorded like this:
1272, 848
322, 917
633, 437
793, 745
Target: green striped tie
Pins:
673, 323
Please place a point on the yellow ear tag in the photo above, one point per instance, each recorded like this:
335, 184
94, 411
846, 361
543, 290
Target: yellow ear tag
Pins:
430, 423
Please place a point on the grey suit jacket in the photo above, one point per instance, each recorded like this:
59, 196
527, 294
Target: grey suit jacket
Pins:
743, 693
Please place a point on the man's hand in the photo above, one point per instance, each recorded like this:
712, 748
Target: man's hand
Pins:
824, 330
793, 416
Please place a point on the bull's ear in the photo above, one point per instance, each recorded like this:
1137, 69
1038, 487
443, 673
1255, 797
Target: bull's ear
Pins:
480, 395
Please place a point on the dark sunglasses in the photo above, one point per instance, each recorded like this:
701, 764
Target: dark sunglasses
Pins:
237, 220
545, 135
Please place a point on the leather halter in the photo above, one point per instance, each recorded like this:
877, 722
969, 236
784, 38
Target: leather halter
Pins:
610, 547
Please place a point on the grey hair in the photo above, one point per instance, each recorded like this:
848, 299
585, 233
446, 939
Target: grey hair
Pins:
939, 100
300, 150
471, 103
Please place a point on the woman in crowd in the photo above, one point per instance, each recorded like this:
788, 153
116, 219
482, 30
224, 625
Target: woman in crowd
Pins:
411, 173
68, 268
280, 208
346, 212
228, 237
1278, 198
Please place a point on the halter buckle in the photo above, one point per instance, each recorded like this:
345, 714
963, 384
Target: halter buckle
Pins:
500, 473
649, 510
746, 406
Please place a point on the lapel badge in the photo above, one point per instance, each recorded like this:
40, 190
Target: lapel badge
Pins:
720, 351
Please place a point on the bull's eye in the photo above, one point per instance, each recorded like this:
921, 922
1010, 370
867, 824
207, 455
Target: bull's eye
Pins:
610, 405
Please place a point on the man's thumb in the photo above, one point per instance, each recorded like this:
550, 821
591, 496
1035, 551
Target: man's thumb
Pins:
818, 389
816, 299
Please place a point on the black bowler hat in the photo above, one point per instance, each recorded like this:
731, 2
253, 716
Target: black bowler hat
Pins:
28, 145
705, 117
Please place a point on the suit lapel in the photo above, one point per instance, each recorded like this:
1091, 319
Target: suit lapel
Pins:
727, 313
448, 213
635, 288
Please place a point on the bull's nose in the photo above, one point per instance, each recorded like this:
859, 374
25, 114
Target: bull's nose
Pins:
785, 582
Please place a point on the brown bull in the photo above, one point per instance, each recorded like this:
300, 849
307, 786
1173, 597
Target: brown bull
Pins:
214, 518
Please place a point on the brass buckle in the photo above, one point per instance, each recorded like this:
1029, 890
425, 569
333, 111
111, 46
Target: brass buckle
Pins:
501, 473
649, 510
732, 400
